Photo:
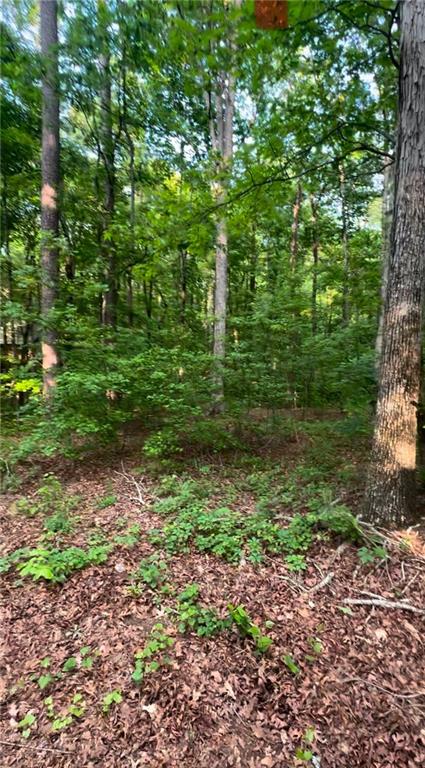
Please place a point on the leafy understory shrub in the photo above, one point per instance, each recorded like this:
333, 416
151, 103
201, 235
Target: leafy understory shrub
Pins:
50, 499
372, 553
247, 628
152, 571
150, 658
193, 617
106, 501
305, 752
316, 646
165, 442
296, 563
130, 537
51, 564
75, 710
27, 724
111, 698
232, 535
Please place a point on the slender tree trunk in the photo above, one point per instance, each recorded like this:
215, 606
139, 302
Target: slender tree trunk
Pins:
130, 305
387, 217
315, 254
221, 133
345, 249
110, 298
132, 169
183, 284
390, 493
49, 191
295, 228
253, 267
9, 266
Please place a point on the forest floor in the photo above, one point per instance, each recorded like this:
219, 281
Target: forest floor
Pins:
341, 685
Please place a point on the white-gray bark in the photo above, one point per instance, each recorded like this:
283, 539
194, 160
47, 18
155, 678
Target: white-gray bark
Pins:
221, 106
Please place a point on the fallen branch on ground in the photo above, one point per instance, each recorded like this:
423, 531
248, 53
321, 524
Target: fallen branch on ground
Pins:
140, 490
383, 603
35, 748
321, 584
390, 691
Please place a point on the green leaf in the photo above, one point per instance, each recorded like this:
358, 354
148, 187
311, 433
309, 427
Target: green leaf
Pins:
70, 664
44, 680
290, 663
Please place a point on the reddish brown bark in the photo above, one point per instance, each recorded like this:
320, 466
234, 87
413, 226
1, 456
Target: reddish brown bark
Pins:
49, 190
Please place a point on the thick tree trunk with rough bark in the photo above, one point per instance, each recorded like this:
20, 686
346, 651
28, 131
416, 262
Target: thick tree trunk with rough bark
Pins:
390, 493
49, 190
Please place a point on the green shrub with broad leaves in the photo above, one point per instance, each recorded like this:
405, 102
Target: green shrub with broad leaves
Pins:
52, 564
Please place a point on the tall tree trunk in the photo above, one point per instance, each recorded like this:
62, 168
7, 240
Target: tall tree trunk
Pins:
252, 277
315, 254
5, 238
49, 190
183, 283
110, 298
221, 133
345, 249
387, 217
295, 228
390, 493
132, 170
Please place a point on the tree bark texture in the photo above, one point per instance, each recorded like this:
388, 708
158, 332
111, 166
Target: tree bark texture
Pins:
49, 190
390, 493
221, 109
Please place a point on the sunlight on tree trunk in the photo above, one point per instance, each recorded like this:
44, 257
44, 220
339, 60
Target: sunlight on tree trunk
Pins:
390, 495
49, 191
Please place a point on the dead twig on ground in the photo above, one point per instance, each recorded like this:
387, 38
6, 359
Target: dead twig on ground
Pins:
141, 491
384, 603
390, 691
35, 748
323, 583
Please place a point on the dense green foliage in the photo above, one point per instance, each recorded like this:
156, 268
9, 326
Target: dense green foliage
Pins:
314, 112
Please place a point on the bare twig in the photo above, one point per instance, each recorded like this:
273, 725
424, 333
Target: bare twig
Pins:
324, 583
140, 498
383, 603
390, 691
35, 748
414, 577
